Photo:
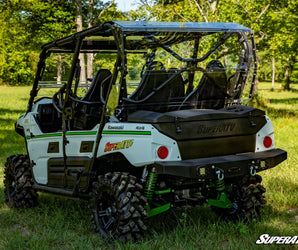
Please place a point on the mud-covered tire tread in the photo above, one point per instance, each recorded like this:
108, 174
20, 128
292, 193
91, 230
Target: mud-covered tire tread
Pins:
17, 169
131, 204
250, 201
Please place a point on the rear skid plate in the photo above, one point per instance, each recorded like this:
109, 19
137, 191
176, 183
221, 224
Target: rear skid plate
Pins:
229, 165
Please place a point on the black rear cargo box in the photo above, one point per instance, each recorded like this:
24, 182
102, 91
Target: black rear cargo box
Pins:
205, 132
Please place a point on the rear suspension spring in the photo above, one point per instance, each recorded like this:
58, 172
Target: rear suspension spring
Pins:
150, 186
220, 185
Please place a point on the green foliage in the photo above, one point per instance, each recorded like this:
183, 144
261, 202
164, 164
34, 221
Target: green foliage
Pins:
26, 25
273, 22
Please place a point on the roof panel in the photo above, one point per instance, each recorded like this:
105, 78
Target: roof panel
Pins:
180, 26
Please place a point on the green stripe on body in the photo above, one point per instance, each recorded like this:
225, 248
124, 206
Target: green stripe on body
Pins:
47, 135
93, 133
82, 133
60, 134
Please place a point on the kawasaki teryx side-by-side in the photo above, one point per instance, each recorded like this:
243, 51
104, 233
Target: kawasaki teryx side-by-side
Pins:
164, 123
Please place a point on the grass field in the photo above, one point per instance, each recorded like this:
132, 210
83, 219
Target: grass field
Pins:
59, 222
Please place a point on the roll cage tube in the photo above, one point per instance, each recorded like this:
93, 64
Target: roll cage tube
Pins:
191, 74
254, 53
239, 78
112, 81
46, 53
39, 73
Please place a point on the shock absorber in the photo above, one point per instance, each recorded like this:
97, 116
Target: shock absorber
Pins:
220, 183
150, 186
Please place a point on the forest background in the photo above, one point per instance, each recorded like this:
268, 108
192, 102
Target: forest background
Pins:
28, 24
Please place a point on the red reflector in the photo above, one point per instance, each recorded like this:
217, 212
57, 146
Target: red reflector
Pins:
162, 152
267, 142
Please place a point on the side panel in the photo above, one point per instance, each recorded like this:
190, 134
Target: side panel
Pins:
137, 142
41, 149
57, 178
46, 151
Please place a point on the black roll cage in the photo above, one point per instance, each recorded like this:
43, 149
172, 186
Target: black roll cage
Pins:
76, 44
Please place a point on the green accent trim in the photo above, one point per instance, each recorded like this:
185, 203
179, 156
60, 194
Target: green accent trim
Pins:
222, 201
82, 133
47, 135
127, 132
60, 134
93, 133
157, 210
166, 191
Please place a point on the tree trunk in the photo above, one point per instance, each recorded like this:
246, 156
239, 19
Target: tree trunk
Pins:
59, 69
287, 75
90, 56
79, 24
273, 72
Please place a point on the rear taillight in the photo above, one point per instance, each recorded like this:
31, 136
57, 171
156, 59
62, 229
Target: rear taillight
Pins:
162, 152
267, 142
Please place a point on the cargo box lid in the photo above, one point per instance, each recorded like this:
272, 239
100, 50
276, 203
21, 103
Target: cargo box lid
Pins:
233, 112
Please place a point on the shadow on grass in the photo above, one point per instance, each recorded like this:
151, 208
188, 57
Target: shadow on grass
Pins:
11, 143
273, 112
284, 101
205, 223
277, 113
7, 122
2, 198
12, 111
294, 90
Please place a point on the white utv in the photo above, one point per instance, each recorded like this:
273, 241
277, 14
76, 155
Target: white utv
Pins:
164, 123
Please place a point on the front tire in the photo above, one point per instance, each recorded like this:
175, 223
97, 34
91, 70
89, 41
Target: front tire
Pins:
247, 198
18, 182
117, 207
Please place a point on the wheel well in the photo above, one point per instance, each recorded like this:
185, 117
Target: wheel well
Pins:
116, 162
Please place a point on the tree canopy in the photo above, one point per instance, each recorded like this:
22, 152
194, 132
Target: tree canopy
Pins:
27, 24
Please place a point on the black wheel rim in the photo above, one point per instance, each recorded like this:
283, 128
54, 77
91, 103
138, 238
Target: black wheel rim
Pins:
107, 213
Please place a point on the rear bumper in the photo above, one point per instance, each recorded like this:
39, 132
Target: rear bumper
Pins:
230, 165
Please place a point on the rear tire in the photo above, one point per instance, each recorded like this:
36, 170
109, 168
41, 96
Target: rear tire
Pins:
248, 199
18, 182
117, 207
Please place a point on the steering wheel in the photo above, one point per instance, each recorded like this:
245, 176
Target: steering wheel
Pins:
58, 100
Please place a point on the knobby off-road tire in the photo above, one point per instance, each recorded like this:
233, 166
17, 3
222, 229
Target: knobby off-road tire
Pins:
247, 194
18, 182
117, 207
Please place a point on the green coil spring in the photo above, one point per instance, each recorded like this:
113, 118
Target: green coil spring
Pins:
220, 185
150, 186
